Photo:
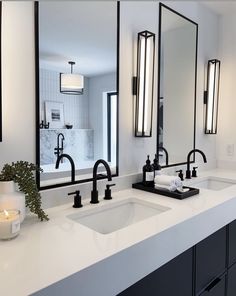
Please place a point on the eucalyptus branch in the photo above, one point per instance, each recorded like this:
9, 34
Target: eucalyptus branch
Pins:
22, 173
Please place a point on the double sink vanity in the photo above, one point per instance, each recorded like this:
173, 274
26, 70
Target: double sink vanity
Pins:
138, 242
137, 237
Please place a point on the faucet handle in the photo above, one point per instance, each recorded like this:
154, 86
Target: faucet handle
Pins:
194, 172
77, 199
110, 185
108, 191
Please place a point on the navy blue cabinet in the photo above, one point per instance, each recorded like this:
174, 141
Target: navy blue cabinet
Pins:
231, 280
200, 271
216, 288
231, 285
232, 243
210, 259
173, 278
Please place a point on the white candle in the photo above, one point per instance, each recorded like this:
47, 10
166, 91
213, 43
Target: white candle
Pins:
11, 199
9, 224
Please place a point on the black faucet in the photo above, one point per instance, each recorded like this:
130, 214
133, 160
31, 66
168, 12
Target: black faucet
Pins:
94, 192
71, 162
166, 153
59, 149
188, 172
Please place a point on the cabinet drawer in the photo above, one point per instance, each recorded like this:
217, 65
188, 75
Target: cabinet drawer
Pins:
232, 243
210, 258
174, 278
217, 288
232, 281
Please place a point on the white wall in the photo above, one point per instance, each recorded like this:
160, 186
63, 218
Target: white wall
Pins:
18, 79
135, 16
208, 49
227, 104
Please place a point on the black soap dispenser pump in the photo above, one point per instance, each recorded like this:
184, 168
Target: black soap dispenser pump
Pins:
148, 173
156, 166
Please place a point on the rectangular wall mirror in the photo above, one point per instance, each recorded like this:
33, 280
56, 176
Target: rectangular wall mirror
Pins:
77, 103
177, 76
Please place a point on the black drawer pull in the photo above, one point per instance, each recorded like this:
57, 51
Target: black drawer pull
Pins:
212, 284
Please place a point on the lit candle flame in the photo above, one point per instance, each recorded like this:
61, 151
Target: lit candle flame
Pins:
6, 214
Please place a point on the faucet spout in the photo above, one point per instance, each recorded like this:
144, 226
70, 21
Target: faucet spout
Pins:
166, 153
94, 192
59, 149
188, 173
60, 135
60, 157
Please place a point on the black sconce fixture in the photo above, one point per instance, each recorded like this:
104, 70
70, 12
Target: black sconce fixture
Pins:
143, 84
71, 84
211, 96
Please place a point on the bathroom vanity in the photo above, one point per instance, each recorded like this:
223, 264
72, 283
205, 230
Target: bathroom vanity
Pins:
186, 246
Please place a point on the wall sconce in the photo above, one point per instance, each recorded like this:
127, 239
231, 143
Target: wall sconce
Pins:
71, 84
143, 84
211, 96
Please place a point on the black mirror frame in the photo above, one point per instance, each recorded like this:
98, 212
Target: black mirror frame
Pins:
161, 5
37, 99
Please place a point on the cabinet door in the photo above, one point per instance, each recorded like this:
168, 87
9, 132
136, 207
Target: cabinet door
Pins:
232, 243
174, 278
210, 259
232, 281
216, 288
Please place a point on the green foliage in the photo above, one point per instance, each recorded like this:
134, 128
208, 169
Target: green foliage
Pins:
22, 173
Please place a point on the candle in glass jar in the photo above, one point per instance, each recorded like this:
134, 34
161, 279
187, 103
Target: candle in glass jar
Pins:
9, 224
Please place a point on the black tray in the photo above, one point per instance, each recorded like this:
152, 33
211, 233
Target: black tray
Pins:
173, 194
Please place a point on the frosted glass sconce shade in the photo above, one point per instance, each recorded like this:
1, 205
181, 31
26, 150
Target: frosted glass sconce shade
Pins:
143, 84
71, 84
211, 96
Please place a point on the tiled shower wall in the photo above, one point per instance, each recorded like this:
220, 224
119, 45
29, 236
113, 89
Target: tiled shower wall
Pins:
78, 143
85, 112
76, 107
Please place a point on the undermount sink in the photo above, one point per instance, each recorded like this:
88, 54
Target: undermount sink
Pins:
213, 183
117, 215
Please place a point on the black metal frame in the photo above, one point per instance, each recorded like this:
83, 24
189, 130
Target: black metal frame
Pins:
70, 92
161, 5
212, 131
0, 71
37, 98
136, 81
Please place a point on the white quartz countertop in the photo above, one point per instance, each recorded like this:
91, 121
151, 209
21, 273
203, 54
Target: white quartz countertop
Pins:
71, 259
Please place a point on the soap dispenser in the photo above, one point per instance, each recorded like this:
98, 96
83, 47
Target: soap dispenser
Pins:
148, 173
156, 166
194, 172
180, 174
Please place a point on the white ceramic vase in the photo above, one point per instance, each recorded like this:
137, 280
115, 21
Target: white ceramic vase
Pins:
10, 199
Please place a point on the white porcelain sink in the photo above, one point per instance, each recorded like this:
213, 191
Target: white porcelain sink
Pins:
116, 215
213, 183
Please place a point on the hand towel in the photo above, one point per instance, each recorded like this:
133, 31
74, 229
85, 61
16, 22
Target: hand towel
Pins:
168, 181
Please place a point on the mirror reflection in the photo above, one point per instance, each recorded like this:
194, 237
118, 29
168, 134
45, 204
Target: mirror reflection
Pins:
177, 86
78, 96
